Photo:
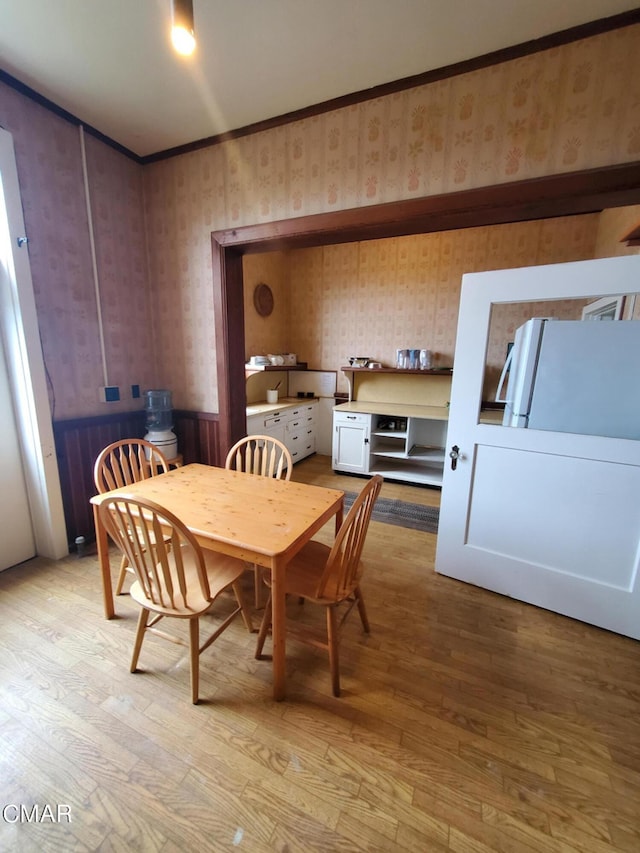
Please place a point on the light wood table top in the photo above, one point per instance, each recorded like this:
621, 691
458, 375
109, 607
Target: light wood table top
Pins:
254, 518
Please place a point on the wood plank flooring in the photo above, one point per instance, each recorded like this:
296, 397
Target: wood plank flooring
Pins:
468, 722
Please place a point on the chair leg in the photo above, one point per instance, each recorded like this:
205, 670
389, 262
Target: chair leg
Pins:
194, 657
264, 628
142, 627
246, 616
362, 610
123, 573
332, 638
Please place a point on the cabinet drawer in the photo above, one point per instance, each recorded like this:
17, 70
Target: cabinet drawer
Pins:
273, 422
301, 444
351, 418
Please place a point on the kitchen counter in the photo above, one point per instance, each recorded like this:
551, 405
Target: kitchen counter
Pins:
264, 408
438, 413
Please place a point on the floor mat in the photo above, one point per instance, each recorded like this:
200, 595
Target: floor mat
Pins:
401, 513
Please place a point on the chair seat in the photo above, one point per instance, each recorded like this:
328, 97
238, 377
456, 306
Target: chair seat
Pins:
304, 573
222, 571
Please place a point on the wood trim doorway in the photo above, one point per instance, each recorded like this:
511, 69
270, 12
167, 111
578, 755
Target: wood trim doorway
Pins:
569, 194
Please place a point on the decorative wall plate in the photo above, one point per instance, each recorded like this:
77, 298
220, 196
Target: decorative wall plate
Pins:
263, 299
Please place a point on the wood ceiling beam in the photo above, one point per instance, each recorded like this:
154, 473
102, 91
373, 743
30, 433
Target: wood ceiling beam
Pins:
568, 194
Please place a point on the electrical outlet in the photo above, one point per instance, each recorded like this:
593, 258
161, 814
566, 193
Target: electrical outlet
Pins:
109, 394
135, 391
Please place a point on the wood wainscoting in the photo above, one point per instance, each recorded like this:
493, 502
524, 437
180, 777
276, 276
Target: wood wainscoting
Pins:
80, 440
199, 437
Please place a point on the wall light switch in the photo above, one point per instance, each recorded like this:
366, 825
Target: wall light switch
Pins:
109, 394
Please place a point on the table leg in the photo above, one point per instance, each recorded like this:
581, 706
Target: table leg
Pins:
339, 516
278, 629
105, 569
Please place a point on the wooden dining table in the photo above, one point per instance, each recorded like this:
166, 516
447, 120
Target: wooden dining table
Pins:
257, 519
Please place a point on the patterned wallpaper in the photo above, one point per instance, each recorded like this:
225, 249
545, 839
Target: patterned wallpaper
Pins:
572, 107
267, 335
369, 299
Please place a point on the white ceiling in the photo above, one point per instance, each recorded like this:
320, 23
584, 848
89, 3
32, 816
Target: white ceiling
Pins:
109, 62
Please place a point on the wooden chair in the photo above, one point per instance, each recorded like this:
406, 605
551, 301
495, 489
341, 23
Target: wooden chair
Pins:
175, 577
260, 454
267, 457
331, 577
122, 463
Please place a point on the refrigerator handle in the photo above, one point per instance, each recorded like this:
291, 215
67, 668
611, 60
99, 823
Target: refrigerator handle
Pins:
503, 376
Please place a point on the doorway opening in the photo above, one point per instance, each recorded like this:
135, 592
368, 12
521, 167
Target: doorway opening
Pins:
561, 195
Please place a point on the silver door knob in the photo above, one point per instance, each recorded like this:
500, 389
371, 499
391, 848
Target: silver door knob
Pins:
454, 455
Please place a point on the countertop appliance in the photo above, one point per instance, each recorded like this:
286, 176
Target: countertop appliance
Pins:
576, 376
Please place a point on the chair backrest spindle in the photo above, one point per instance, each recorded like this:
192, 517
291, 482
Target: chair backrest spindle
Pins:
344, 567
127, 461
262, 455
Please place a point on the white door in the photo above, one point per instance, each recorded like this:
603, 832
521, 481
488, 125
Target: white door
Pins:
25, 365
549, 518
16, 533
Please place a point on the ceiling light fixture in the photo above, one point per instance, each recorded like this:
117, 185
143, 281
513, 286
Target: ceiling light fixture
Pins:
182, 35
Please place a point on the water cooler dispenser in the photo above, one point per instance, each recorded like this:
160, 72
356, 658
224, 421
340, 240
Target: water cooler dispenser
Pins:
159, 422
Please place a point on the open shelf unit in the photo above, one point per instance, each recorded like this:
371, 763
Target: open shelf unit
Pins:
403, 371
408, 448
250, 369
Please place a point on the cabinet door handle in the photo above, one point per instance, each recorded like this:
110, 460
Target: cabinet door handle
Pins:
351, 417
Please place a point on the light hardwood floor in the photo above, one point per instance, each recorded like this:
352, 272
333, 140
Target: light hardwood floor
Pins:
468, 722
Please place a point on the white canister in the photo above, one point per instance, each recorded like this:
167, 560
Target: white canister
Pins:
165, 440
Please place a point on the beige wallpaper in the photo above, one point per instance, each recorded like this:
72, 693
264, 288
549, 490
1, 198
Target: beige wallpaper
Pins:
267, 335
369, 299
573, 107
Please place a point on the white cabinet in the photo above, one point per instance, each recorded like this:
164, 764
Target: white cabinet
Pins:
351, 433
300, 431
293, 425
401, 443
